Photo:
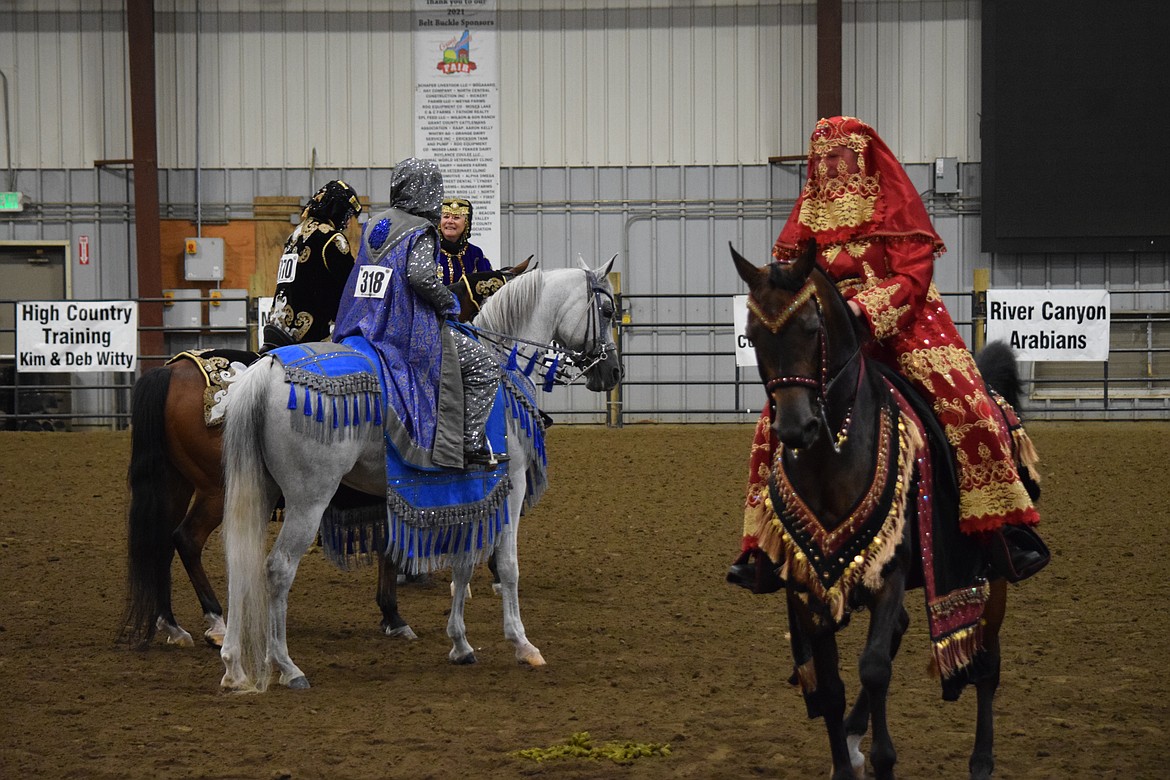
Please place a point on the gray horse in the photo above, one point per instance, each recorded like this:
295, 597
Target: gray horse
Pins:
265, 455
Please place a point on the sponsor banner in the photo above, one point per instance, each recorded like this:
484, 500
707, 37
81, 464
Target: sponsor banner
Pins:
76, 336
1068, 325
745, 352
457, 107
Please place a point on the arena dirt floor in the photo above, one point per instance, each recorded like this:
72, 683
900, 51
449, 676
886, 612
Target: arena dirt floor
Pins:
622, 589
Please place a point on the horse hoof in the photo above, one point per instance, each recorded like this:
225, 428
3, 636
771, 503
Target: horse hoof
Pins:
402, 632
215, 629
299, 683
465, 660
174, 633
531, 656
230, 684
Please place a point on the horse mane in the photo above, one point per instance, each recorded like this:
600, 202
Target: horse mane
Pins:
508, 310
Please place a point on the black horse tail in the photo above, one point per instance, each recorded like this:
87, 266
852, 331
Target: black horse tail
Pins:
150, 548
997, 364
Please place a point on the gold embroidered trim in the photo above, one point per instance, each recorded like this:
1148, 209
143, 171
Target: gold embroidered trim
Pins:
774, 324
883, 315
922, 364
847, 210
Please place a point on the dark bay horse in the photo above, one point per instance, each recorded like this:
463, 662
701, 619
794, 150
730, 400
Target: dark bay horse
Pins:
177, 489
849, 462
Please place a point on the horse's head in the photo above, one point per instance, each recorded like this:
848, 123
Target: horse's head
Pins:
568, 310
786, 327
586, 327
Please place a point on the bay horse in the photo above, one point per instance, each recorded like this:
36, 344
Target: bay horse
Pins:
268, 453
176, 490
848, 451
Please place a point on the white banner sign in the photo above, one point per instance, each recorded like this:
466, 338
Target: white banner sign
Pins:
745, 353
1051, 324
457, 107
76, 336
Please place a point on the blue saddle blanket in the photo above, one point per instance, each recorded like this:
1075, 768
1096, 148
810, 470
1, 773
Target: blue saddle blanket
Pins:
434, 516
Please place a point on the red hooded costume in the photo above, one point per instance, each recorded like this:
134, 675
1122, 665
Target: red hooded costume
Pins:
876, 242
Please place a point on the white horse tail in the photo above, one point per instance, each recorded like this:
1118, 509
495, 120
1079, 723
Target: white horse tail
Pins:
246, 512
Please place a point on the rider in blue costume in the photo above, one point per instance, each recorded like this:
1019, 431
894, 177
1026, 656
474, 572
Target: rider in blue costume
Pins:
435, 373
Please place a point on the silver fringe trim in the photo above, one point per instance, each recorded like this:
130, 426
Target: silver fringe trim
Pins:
350, 384
426, 540
329, 409
530, 423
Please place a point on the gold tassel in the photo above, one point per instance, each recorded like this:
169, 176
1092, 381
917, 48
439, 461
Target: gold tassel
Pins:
958, 650
1027, 451
882, 549
806, 673
836, 602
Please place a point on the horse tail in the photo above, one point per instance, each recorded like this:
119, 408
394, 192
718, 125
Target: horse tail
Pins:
246, 511
151, 477
997, 364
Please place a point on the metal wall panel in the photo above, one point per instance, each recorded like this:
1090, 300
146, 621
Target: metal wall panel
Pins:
912, 70
669, 225
635, 127
298, 83
653, 83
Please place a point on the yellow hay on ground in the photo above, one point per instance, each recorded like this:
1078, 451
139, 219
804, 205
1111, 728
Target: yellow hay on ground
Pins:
580, 746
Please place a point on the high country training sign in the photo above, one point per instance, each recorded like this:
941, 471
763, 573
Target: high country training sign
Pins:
76, 336
1051, 324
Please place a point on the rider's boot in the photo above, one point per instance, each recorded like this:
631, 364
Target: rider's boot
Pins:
754, 571
1016, 552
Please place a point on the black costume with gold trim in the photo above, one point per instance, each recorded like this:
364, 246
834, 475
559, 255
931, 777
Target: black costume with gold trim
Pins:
314, 267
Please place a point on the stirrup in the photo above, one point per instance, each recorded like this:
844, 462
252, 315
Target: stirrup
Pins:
484, 457
1016, 552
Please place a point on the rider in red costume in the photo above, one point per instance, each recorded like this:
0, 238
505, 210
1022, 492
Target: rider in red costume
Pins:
876, 242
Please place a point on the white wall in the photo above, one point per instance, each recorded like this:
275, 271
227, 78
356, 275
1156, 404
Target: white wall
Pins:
625, 83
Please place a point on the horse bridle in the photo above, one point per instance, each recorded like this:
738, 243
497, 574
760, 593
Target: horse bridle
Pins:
824, 382
595, 330
582, 361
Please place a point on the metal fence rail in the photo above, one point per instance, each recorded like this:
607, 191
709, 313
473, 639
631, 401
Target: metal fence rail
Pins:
1133, 384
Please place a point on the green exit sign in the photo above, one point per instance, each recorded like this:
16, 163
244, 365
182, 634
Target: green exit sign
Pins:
11, 201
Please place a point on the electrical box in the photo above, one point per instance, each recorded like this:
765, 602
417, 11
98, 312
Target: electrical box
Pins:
203, 260
946, 176
182, 309
228, 308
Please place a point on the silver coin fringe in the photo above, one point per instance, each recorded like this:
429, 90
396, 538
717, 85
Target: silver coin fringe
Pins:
426, 540
329, 409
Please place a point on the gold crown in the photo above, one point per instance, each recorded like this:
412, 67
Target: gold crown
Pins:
459, 207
